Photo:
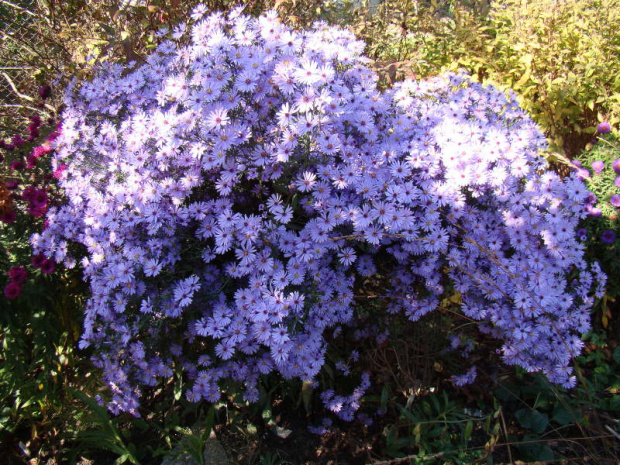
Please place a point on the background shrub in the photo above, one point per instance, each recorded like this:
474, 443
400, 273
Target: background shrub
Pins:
559, 57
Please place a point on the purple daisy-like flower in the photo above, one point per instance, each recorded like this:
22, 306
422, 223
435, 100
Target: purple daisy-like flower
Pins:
615, 200
583, 173
608, 237
582, 234
617, 182
616, 166
603, 127
598, 166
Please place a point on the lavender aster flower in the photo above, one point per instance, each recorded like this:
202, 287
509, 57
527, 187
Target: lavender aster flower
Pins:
582, 234
615, 200
603, 127
583, 173
593, 211
598, 166
616, 166
467, 378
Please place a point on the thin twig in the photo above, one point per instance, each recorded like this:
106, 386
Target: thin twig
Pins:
19, 105
501, 415
609, 428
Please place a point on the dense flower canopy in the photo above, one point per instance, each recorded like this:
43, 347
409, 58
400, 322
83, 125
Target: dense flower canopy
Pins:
232, 193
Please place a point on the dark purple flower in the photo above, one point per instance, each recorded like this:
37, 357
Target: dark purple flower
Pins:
39, 197
603, 127
616, 166
17, 140
7, 215
48, 266
33, 129
17, 165
12, 185
12, 290
29, 193
31, 161
45, 91
615, 200
608, 237
18, 274
598, 166
37, 260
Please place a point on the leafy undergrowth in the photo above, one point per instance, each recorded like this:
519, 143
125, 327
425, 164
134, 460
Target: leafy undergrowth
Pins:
412, 415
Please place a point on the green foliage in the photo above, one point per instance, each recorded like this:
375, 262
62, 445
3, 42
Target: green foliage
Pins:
559, 58
420, 38
37, 364
551, 423
106, 435
437, 425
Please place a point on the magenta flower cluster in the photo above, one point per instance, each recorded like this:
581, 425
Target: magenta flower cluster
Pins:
233, 193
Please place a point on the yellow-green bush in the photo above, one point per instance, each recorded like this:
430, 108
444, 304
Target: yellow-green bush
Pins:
562, 57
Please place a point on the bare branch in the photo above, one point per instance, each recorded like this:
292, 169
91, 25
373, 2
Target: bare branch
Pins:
19, 94
48, 107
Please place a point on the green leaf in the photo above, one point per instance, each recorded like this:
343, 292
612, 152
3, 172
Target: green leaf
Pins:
391, 436
533, 420
209, 423
306, 395
384, 398
616, 355
562, 416
122, 459
469, 427
535, 451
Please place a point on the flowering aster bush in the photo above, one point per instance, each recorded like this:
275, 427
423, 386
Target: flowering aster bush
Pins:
231, 194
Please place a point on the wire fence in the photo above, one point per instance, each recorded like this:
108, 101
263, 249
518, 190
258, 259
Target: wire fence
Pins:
28, 57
